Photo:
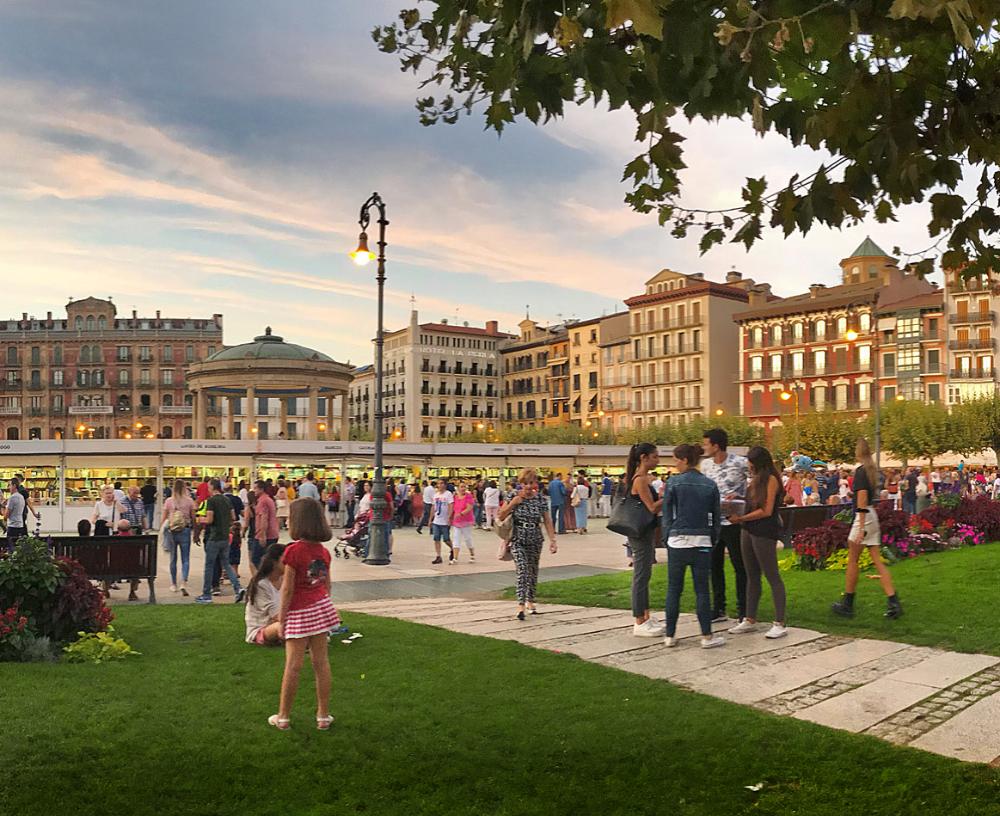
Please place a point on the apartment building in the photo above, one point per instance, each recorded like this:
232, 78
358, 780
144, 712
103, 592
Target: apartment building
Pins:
94, 374
912, 348
822, 346
584, 371
614, 402
971, 305
535, 368
683, 339
360, 404
440, 379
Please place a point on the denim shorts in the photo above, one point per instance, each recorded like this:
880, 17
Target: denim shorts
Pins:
441, 532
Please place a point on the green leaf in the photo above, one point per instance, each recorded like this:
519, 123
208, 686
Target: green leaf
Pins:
643, 14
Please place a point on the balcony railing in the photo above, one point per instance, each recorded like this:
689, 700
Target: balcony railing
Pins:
972, 317
177, 410
971, 345
674, 323
91, 410
973, 374
10, 410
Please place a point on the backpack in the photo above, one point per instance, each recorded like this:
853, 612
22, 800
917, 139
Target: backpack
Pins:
177, 521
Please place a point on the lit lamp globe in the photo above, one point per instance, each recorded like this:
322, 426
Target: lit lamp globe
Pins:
850, 335
362, 255
785, 395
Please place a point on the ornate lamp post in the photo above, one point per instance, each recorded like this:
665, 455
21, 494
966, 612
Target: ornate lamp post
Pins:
792, 393
378, 550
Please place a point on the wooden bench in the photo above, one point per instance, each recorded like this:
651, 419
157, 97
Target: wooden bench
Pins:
112, 558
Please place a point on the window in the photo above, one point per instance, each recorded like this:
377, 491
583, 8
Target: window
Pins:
144, 378
57, 377
122, 354
797, 362
909, 358
168, 376
78, 323
91, 323
934, 392
889, 393
818, 396
82, 378
123, 376
820, 329
933, 361
888, 365
57, 355
819, 361
776, 335
36, 356
145, 354
168, 354
865, 322
864, 395
841, 326
102, 323
797, 331
12, 355
576, 382
908, 328
758, 336
775, 365
189, 354
755, 402
864, 356
932, 330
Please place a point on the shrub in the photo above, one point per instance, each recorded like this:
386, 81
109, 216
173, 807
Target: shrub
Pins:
814, 545
982, 513
97, 647
54, 594
893, 525
968, 536
14, 634
939, 518
838, 561
947, 501
928, 542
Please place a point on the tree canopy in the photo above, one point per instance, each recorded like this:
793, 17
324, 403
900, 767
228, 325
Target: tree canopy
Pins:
902, 95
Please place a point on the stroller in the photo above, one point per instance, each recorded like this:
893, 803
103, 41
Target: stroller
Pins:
355, 539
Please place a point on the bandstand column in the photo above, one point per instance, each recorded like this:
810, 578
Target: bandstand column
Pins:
230, 418
329, 415
283, 416
312, 413
200, 413
345, 419
251, 413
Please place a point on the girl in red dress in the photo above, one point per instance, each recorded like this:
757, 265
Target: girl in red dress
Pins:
307, 614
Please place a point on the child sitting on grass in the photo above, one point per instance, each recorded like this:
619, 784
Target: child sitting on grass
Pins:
307, 614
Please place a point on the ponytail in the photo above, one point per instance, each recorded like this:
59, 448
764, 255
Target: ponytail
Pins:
635, 454
271, 557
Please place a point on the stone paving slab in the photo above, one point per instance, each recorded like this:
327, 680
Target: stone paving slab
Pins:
688, 656
945, 669
972, 735
732, 681
866, 705
939, 701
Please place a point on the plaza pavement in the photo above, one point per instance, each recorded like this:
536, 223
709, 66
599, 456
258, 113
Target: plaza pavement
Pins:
411, 574
944, 702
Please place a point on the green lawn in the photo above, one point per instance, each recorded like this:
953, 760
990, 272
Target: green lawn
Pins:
429, 722
950, 599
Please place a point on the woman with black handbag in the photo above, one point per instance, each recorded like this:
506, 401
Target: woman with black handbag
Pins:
642, 507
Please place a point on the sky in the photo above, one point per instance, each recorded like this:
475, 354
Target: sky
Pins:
203, 156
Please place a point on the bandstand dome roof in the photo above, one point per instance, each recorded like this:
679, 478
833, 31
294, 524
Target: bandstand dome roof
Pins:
268, 346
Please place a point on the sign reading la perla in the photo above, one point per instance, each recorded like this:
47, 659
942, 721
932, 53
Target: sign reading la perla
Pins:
485, 355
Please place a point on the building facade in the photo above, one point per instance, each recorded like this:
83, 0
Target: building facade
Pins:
614, 402
682, 341
913, 348
440, 379
824, 348
535, 376
360, 409
95, 375
971, 305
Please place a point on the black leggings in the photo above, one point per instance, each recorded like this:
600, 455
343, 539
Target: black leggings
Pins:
760, 554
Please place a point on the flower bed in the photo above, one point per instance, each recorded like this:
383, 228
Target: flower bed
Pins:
47, 601
949, 522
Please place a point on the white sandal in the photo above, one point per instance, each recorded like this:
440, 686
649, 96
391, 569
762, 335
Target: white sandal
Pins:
324, 723
279, 723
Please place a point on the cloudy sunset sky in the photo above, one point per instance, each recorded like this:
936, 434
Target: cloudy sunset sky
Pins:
211, 156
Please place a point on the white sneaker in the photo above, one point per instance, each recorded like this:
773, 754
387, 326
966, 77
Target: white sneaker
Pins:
713, 642
173, 587
669, 642
648, 629
777, 630
720, 618
472, 559
743, 627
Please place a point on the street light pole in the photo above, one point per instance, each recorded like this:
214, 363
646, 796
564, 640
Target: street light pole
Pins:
378, 550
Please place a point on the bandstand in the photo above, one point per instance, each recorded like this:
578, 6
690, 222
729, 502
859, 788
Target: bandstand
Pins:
228, 385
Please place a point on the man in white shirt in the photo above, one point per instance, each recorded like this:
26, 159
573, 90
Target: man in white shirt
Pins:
428, 496
443, 509
935, 481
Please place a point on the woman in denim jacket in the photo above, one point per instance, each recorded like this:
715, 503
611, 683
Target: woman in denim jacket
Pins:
691, 523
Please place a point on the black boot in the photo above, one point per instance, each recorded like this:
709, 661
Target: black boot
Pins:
895, 608
845, 606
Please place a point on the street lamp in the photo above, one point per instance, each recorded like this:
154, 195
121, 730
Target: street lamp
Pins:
378, 550
719, 411
793, 395
850, 336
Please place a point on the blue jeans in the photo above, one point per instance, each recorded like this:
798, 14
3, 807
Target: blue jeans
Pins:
700, 561
216, 550
149, 510
351, 505
581, 514
477, 513
441, 532
425, 518
558, 519
181, 540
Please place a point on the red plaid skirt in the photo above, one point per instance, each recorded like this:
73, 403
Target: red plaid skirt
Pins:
317, 619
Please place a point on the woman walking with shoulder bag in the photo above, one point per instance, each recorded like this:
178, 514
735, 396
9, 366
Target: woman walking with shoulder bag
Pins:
530, 515
759, 543
643, 457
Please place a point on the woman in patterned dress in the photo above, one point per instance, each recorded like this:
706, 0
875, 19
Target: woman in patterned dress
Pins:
530, 514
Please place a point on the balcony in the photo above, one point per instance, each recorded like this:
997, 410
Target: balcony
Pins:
972, 345
58, 411
90, 410
10, 410
176, 410
674, 323
972, 317
973, 374
10, 386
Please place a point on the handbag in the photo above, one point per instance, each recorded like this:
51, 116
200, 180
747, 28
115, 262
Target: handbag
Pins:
505, 529
631, 518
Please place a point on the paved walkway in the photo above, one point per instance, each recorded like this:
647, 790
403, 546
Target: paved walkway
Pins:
411, 573
944, 702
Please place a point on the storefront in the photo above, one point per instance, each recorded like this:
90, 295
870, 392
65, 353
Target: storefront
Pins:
64, 477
